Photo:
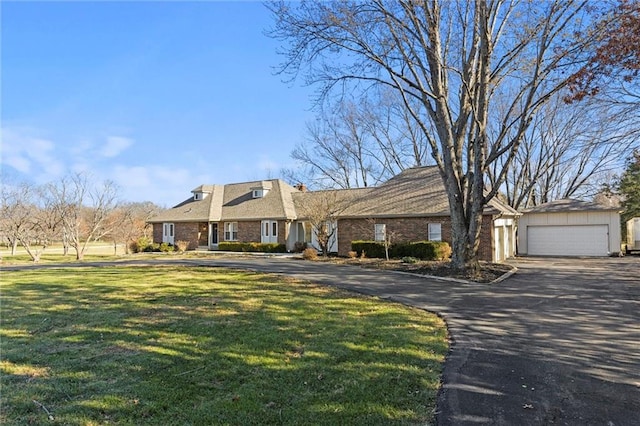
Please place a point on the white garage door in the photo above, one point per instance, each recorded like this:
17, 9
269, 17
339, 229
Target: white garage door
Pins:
578, 240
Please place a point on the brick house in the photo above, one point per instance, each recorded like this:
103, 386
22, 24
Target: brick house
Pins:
411, 206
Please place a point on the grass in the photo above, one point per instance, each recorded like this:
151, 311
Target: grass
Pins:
187, 346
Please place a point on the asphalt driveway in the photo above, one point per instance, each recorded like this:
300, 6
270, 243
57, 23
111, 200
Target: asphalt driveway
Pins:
558, 343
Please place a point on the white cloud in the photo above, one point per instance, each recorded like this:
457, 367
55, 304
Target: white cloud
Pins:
29, 154
115, 145
163, 185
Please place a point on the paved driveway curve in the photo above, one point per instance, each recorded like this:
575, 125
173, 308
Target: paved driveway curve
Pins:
558, 343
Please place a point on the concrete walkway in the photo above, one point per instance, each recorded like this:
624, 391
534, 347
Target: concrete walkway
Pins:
556, 344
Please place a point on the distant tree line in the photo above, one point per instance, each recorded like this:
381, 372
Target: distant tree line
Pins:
73, 211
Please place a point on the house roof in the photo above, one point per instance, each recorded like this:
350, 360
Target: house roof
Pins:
191, 210
238, 202
569, 205
207, 189
417, 191
338, 199
234, 202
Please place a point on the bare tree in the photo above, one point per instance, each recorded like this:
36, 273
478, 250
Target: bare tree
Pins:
568, 151
387, 236
84, 209
453, 58
355, 144
128, 222
321, 210
30, 218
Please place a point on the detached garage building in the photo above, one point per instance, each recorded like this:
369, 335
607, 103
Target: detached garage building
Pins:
569, 228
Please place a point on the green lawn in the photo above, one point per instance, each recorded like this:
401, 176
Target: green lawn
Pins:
204, 346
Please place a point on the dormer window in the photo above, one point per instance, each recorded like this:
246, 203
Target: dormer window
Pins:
199, 196
202, 192
261, 190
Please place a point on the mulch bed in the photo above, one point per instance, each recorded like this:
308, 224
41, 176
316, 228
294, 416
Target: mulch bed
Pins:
488, 271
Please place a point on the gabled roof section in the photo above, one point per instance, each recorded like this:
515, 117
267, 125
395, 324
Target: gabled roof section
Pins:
570, 205
497, 206
238, 202
206, 189
339, 200
191, 210
417, 191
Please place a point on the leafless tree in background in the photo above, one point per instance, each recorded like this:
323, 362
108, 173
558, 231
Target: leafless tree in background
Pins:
359, 143
30, 218
568, 151
84, 209
128, 222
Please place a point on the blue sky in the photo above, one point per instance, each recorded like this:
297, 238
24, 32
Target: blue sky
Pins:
159, 97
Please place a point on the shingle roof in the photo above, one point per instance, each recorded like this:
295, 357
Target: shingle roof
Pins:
191, 210
569, 205
417, 191
238, 202
340, 199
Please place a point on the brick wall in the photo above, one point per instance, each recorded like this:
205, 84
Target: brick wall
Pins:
251, 231
486, 247
408, 229
157, 233
182, 231
187, 231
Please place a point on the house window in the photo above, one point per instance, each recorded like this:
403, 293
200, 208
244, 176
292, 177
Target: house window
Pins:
196, 196
259, 192
380, 230
231, 231
435, 232
304, 232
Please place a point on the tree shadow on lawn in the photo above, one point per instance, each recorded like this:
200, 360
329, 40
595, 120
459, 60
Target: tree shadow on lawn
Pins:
224, 353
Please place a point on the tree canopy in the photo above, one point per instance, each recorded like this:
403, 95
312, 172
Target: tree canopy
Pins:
629, 187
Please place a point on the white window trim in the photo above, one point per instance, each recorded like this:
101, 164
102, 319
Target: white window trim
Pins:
432, 234
379, 232
231, 231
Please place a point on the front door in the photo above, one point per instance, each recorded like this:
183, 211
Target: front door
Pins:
269, 231
214, 233
167, 233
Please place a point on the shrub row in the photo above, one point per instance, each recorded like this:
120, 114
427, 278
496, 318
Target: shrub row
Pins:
424, 250
144, 245
252, 247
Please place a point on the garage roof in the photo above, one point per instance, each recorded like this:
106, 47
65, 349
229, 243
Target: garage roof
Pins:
569, 205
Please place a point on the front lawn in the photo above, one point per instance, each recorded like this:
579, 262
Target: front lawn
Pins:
199, 346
